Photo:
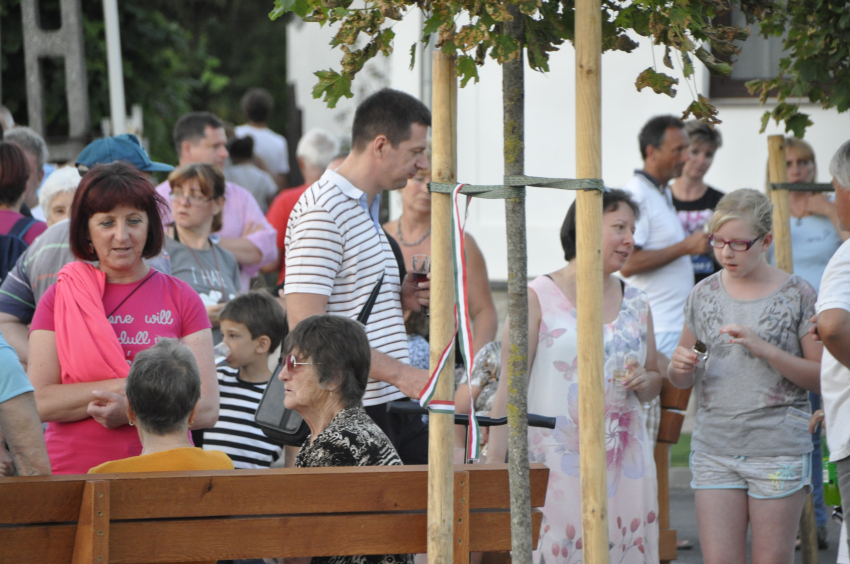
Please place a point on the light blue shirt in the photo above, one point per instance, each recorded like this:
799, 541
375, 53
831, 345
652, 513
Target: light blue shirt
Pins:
813, 242
13, 379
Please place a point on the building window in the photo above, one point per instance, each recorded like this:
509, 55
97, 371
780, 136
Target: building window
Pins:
759, 59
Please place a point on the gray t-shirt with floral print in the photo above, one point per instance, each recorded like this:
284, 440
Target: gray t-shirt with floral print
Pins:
746, 407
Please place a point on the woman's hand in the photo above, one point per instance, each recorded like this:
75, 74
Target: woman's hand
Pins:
414, 296
637, 379
813, 330
817, 417
108, 409
7, 464
743, 335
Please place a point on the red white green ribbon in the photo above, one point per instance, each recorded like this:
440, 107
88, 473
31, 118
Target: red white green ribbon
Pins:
463, 329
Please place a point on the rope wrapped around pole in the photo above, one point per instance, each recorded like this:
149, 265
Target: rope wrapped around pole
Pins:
514, 186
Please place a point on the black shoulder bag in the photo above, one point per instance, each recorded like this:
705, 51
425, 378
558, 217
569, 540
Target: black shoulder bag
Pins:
285, 426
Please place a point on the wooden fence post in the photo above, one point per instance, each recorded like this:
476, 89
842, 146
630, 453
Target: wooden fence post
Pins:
593, 466
441, 426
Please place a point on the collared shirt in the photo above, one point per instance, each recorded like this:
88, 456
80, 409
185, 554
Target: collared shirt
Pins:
657, 228
336, 248
240, 210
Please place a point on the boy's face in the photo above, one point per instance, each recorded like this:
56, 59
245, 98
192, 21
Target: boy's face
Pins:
243, 349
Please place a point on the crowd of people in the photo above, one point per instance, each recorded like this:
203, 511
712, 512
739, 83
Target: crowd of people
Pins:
117, 295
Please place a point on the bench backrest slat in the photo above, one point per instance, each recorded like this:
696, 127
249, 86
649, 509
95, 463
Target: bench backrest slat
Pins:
253, 537
269, 492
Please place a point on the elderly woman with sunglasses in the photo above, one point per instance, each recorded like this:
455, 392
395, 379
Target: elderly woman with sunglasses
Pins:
197, 200
325, 374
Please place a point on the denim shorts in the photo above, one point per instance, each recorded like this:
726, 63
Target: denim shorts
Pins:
764, 477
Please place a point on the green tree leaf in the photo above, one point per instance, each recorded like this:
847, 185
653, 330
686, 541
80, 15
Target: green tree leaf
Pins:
661, 83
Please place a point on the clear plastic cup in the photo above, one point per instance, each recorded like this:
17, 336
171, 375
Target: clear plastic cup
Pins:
221, 352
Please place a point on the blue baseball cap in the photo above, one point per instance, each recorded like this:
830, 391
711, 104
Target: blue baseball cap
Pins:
124, 147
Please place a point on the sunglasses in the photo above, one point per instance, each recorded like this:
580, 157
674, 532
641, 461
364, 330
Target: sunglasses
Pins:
291, 363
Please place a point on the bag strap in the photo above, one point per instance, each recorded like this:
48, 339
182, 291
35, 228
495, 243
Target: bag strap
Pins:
363, 318
21, 227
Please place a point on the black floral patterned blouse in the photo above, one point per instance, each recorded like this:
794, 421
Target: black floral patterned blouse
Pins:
351, 439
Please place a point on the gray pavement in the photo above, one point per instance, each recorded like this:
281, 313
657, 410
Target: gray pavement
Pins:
683, 518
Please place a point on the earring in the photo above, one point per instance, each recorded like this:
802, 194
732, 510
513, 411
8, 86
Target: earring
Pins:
131, 423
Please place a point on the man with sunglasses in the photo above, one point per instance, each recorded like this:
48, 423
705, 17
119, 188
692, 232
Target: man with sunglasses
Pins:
337, 254
36, 269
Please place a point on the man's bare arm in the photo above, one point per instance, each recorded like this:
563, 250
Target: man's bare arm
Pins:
24, 435
834, 330
406, 378
645, 261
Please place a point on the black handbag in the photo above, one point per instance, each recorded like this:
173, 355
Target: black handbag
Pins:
285, 426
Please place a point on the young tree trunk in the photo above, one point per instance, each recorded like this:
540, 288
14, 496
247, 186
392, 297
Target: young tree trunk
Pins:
513, 93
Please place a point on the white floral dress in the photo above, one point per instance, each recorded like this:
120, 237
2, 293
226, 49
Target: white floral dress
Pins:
553, 391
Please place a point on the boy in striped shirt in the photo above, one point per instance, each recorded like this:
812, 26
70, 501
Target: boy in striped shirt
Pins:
252, 326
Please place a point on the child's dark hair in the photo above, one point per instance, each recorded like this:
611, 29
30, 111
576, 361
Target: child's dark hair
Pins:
260, 313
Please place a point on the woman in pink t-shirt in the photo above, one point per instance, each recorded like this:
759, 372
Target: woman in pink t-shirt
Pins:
89, 326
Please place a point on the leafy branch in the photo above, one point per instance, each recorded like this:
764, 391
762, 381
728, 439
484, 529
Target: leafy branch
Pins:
687, 27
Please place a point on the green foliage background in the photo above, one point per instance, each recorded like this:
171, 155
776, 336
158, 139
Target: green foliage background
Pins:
178, 57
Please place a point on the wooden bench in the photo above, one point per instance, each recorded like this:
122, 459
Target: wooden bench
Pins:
674, 402
227, 514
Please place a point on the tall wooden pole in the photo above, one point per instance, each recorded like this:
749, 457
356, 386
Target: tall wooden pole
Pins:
513, 99
591, 390
441, 426
778, 172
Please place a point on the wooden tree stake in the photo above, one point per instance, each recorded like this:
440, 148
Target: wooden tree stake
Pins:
593, 465
777, 172
441, 426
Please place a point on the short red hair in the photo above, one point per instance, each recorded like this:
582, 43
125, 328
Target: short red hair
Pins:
102, 189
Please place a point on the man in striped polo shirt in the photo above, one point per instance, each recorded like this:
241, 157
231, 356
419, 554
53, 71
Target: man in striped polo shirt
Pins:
336, 252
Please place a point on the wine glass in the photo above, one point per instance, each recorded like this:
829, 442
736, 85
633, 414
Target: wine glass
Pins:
419, 273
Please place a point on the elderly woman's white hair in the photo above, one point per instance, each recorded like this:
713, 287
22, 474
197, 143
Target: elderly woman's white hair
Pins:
839, 167
317, 148
65, 179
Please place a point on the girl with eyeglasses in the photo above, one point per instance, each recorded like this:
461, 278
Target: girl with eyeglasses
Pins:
750, 448
197, 201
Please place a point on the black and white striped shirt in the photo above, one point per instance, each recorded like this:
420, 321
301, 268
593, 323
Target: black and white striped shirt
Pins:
334, 247
236, 433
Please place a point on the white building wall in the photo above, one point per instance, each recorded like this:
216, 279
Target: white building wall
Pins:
550, 131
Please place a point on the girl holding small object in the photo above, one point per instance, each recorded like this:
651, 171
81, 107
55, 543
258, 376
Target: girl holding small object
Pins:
751, 447
631, 377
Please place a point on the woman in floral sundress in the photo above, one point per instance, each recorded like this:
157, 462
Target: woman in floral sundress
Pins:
553, 391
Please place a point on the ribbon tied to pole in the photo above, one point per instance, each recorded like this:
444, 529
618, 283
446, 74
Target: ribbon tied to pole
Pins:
463, 331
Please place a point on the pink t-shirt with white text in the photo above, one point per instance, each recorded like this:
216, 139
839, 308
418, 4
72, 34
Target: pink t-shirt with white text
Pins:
161, 307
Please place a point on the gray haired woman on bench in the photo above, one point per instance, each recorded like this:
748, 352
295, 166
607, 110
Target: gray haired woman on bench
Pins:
327, 361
